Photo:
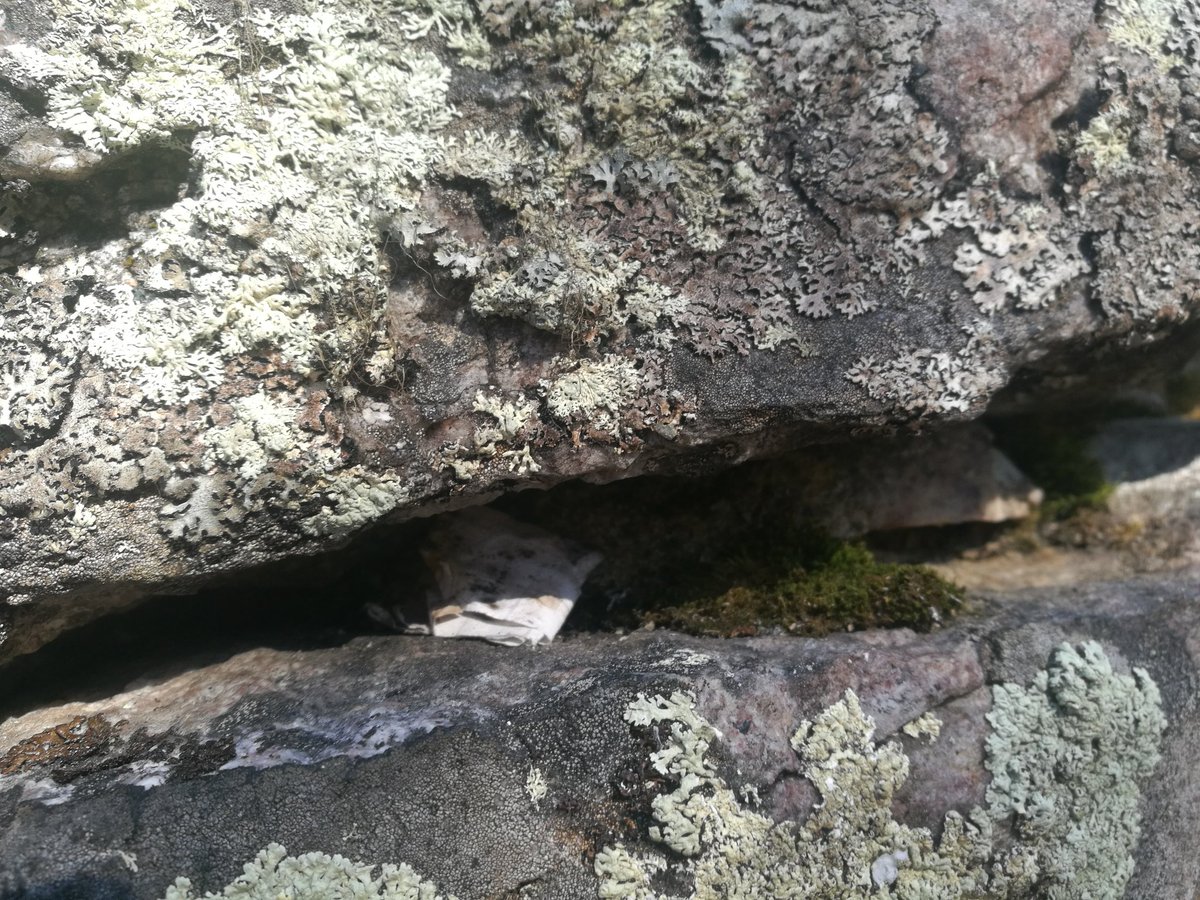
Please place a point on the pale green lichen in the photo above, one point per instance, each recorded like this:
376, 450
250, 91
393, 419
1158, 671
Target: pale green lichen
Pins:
624, 876
321, 142
642, 85
573, 288
1145, 26
312, 136
352, 498
657, 126
511, 416
323, 99
489, 157
736, 853
926, 725
505, 437
1105, 142
273, 875
651, 156
31, 391
925, 381
595, 392
262, 431
1066, 757
649, 304
536, 787
203, 514
1016, 251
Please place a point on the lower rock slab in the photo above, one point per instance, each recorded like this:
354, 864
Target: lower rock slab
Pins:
557, 772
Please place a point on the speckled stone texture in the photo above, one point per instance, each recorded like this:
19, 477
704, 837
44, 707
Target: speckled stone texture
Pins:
628, 237
408, 749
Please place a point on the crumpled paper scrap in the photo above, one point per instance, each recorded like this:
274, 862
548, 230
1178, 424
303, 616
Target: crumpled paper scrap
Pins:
502, 580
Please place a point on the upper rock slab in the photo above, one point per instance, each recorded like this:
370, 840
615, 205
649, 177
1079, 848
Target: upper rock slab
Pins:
270, 273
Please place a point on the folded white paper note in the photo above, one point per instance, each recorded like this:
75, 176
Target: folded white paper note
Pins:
502, 580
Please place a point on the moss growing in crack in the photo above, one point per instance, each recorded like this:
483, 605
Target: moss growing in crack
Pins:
1066, 758
1182, 393
1055, 457
804, 582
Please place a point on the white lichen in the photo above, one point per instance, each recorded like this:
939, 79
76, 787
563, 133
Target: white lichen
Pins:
1016, 252
1143, 25
286, 215
262, 431
511, 418
511, 424
353, 498
1105, 142
536, 787
572, 287
925, 381
595, 392
273, 875
205, 513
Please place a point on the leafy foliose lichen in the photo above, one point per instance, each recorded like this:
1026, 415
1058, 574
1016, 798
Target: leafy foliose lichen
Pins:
632, 180
1066, 755
278, 241
1143, 25
1078, 736
736, 853
596, 392
352, 498
924, 382
278, 147
273, 875
505, 436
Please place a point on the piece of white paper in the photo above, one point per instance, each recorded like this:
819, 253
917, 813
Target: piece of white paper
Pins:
502, 580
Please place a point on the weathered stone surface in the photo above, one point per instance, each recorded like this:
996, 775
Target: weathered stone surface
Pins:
1156, 467
950, 477
273, 272
408, 749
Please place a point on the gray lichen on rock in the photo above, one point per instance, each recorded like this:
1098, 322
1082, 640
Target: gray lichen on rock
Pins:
1067, 757
277, 251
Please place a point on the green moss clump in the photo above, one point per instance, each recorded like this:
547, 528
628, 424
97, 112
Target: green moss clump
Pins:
1183, 394
1057, 509
803, 581
1055, 457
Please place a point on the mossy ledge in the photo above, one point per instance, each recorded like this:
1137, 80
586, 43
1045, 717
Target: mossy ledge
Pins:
1054, 454
802, 581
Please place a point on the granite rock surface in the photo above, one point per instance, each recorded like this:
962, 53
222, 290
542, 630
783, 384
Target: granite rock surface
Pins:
271, 273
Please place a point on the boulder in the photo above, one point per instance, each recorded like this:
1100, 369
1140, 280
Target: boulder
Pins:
274, 272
